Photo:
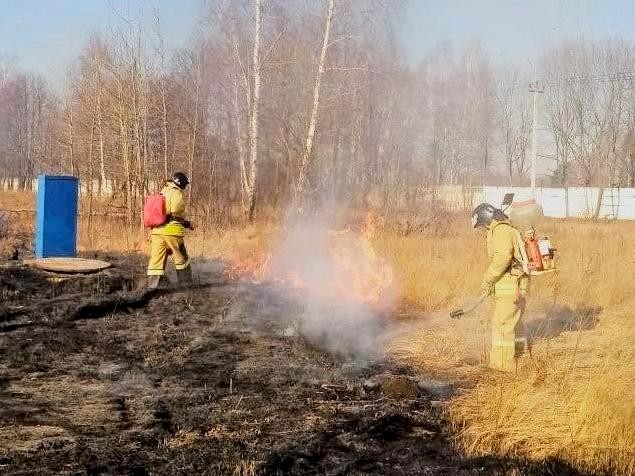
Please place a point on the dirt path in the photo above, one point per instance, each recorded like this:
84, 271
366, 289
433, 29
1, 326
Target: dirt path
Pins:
209, 380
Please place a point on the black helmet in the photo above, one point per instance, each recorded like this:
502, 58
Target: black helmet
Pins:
180, 179
484, 213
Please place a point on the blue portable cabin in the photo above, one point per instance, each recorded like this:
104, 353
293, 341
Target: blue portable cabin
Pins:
56, 216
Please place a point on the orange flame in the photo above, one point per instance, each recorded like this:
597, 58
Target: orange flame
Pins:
359, 275
253, 267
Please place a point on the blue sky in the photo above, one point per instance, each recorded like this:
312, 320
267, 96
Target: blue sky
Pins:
514, 31
45, 35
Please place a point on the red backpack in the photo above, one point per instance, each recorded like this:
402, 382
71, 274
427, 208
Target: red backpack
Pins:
154, 211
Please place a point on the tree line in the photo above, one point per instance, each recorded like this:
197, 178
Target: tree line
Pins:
300, 100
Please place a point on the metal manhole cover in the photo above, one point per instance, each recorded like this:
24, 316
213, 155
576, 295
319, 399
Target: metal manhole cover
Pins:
68, 265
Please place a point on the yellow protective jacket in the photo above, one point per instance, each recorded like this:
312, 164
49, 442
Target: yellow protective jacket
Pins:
175, 207
504, 274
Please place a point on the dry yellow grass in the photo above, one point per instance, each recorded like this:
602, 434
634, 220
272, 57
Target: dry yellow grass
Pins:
433, 271
574, 398
233, 244
17, 201
573, 401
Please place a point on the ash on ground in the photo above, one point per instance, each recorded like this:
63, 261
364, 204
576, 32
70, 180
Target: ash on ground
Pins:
204, 380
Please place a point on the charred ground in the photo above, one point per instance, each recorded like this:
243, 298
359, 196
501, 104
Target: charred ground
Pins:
99, 378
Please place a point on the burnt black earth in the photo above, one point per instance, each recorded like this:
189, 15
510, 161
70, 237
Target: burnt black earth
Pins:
100, 378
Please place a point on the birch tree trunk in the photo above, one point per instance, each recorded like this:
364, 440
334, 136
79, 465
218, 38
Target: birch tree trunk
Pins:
136, 110
124, 148
190, 166
71, 144
102, 165
164, 125
253, 129
308, 148
239, 145
91, 173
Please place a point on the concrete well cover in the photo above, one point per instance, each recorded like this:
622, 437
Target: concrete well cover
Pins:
68, 265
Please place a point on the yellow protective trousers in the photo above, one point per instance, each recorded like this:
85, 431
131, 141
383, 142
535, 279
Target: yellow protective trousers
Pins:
161, 246
509, 340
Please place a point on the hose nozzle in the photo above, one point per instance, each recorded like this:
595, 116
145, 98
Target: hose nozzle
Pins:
458, 313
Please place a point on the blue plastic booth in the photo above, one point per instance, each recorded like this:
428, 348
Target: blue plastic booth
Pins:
56, 216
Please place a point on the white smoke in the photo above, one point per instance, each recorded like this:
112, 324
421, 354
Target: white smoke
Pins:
333, 317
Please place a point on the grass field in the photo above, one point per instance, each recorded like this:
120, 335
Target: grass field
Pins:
573, 399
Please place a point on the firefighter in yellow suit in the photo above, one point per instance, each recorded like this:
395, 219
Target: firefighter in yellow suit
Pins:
167, 239
508, 282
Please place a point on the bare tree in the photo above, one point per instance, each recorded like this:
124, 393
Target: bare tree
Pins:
274, 98
255, 104
310, 135
513, 124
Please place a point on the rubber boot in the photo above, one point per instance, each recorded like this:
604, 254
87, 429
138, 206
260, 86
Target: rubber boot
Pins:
155, 282
502, 358
184, 276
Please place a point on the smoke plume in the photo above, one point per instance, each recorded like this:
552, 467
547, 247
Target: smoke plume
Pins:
344, 288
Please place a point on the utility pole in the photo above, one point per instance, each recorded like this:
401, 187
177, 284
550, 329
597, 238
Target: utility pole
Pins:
534, 88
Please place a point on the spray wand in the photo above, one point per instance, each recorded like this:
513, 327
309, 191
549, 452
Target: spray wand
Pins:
458, 313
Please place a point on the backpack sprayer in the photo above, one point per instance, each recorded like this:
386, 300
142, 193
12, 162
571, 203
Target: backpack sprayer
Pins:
537, 255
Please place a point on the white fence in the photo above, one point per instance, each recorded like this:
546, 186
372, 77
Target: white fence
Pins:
104, 188
573, 202
576, 202
9, 184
